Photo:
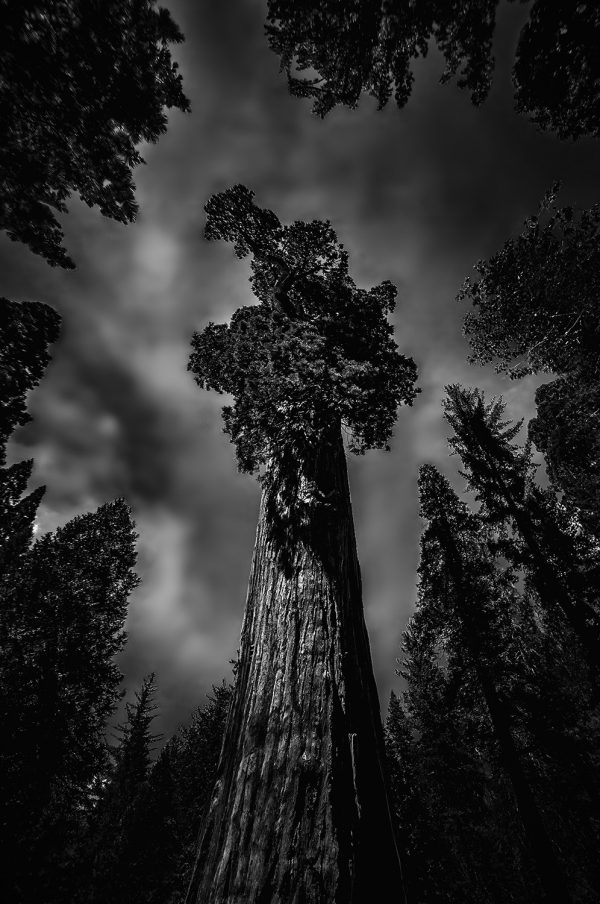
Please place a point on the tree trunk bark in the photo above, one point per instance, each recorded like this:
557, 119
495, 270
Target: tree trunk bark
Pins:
300, 811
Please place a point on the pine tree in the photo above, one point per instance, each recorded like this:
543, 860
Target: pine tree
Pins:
561, 562
474, 604
61, 624
26, 331
459, 826
300, 808
117, 844
82, 85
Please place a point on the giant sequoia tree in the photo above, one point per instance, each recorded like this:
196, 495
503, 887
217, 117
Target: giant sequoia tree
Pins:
300, 809
334, 50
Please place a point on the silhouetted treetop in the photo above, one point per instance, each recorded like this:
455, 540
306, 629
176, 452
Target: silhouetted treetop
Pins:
315, 352
82, 83
334, 50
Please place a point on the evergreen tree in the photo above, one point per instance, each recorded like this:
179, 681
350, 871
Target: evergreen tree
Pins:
194, 753
142, 834
534, 310
561, 562
117, 844
82, 84
370, 45
61, 624
26, 331
459, 826
474, 607
300, 807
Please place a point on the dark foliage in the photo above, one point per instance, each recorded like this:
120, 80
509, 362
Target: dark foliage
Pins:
82, 84
567, 431
535, 300
367, 45
120, 851
494, 755
63, 609
26, 330
535, 310
534, 530
141, 838
557, 70
316, 351
346, 48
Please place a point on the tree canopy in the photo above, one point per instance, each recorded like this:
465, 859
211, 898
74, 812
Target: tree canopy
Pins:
82, 84
316, 351
335, 50
27, 330
535, 310
535, 300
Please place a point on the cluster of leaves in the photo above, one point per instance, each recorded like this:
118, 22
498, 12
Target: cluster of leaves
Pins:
557, 71
346, 48
316, 351
535, 310
494, 754
82, 84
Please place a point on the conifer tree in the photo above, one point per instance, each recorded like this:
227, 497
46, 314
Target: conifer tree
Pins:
459, 827
300, 809
61, 624
26, 331
82, 84
117, 845
561, 562
473, 603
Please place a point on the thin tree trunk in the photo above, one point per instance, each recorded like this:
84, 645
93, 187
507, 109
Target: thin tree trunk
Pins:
300, 811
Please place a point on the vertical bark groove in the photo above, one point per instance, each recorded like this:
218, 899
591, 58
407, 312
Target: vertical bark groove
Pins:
300, 813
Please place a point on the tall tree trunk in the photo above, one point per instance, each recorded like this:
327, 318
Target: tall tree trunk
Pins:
300, 811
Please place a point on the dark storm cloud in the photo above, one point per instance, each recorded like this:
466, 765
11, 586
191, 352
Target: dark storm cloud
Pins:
417, 196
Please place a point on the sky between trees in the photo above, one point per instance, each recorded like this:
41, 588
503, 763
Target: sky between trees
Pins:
417, 196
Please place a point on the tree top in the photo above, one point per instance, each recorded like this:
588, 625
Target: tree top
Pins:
314, 353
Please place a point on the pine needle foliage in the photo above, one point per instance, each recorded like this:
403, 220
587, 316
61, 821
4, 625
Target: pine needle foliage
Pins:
315, 352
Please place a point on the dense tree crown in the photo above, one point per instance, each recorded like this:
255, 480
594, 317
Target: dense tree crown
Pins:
316, 351
82, 83
346, 48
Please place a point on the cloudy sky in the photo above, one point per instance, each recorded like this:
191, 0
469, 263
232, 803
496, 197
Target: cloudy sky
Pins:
417, 196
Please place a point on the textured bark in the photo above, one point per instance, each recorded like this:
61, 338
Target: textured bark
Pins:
300, 812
